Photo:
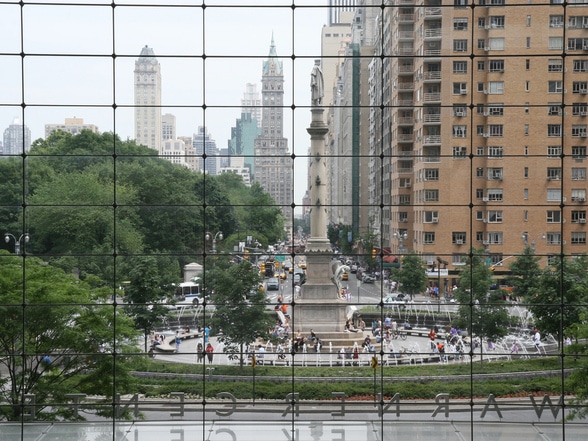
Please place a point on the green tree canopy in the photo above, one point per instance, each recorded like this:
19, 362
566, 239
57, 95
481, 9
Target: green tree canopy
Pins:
54, 337
412, 276
525, 273
241, 316
483, 315
560, 295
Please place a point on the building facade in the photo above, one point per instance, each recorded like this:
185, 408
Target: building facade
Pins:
17, 138
273, 164
71, 125
206, 151
482, 139
147, 81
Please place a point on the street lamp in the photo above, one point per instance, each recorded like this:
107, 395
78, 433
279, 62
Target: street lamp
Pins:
525, 236
439, 263
401, 236
209, 236
24, 236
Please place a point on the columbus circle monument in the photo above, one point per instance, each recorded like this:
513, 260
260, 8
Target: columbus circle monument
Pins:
320, 307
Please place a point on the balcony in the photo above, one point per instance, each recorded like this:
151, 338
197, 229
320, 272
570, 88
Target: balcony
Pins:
435, 75
406, 86
406, 68
433, 118
406, 120
433, 33
432, 97
432, 139
406, 18
405, 103
432, 12
405, 137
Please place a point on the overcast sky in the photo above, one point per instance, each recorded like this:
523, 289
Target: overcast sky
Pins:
82, 79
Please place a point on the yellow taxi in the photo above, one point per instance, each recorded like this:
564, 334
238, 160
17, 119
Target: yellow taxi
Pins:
283, 275
302, 264
345, 276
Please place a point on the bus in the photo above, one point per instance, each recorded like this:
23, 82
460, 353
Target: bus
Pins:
188, 293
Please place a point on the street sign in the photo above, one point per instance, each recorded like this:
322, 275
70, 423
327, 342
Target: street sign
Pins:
280, 257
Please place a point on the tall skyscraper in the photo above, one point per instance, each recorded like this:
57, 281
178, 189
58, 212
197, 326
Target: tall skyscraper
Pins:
147, 77
204, 145
17, 137
273, 165
241, 144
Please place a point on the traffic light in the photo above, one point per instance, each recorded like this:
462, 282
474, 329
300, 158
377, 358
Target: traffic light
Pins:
374, 253
262, 268
492, 268
277, 264
246, 254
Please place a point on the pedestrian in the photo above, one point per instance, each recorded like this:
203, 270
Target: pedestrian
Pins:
209, 352
537, 339
207, 330
178, 341
200, 351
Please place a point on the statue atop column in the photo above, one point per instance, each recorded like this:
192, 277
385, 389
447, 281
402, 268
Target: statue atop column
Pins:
317, 84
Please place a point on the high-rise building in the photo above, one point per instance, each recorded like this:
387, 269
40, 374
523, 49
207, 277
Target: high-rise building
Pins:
241, 144
17, 138
251, 102
338, 7
147, 80
206, 151
71, 125
482, 137
273, 164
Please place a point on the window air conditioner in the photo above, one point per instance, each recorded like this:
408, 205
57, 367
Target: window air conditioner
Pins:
485, 199
485, 92
583, 113
582, 221
583, 91
463, 92
487, 27
435, 220
459, 242
486, 49
459, 114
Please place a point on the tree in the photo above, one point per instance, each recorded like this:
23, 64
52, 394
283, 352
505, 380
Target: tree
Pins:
56, 341
481, 314
242, 317
525, 273
151, 282
412, 275
558, 298
578, 380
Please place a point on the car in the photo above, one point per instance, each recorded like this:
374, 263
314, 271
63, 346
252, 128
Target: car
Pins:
393, 300
367, 278
273, 284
